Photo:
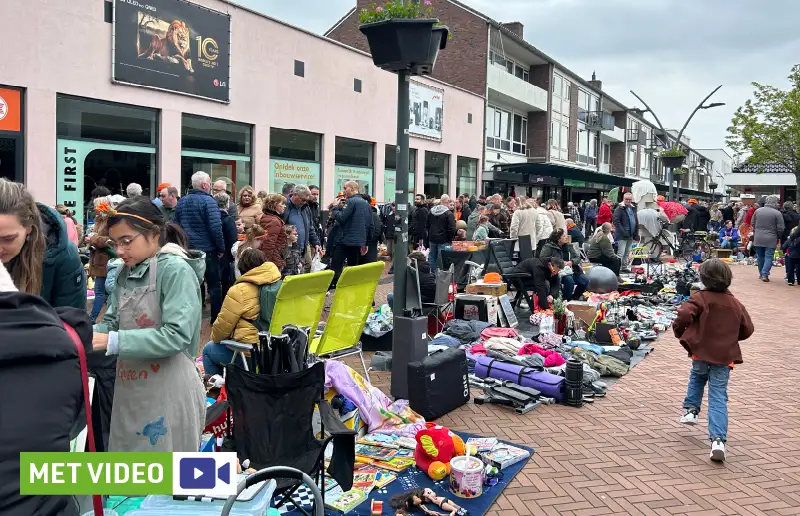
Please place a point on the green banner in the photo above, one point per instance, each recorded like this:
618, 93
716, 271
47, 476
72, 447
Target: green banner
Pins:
112, 473
572, 182
282, 171
390, 185
361, 175
71, 157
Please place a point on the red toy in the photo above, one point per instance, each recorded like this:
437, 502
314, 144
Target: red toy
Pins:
436, 445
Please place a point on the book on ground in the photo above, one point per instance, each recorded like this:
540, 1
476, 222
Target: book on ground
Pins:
482, 444
504, 455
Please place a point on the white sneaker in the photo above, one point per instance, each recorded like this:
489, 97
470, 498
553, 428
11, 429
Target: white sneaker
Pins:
717, 451
690, 418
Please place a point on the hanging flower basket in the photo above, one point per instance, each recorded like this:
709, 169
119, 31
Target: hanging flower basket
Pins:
680, 171
405, 44
673, 161
713, 186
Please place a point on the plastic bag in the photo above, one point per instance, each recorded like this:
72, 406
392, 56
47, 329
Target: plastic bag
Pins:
316, 264
566, 271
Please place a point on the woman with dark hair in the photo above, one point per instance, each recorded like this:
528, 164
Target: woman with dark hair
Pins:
153, 326
274, 242
36, 250
572, 285
172, 233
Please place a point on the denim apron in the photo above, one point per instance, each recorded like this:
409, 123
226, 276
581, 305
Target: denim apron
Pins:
159, 403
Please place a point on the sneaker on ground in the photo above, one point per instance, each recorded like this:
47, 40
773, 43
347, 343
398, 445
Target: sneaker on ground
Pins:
717, 451
765, 279
690, 418
790, 283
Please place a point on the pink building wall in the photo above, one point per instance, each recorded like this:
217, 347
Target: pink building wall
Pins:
67, 48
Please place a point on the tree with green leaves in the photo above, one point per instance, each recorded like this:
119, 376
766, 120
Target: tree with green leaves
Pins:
766, 129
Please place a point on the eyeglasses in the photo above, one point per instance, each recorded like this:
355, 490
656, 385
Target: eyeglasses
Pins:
125, 243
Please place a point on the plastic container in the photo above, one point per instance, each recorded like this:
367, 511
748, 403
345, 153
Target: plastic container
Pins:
106, 512
164, 505
466, 477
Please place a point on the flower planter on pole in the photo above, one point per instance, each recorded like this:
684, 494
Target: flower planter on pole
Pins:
405, 44
673, 161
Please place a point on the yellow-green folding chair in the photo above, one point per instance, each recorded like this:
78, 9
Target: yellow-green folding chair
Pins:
299, 301
352, 303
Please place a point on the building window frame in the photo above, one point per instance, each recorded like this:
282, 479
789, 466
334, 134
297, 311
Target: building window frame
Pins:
502, 131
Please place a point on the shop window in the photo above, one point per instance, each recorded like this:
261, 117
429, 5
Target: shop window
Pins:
353, 163
294, 157
218, 147
390, 173
299, 68
12, 146
437, 174
466, 176
102, 144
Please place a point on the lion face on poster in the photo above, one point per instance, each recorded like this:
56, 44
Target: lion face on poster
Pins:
178, 35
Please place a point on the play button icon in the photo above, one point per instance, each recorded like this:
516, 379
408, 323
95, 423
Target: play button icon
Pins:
197, 473
204, 474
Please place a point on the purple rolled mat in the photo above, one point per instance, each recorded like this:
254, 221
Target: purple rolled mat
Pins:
550, 385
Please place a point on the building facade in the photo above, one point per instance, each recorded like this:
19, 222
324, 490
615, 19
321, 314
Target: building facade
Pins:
548, 133
264, 103
754, 181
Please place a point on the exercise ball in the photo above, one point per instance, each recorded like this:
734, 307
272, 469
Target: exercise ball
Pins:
602, 280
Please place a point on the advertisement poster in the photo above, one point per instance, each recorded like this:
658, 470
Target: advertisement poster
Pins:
389, 186
282, 171
10, 103
425, 111
361, 175
172, 45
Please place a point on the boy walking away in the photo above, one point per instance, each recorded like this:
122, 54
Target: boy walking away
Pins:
710, 325
792, 249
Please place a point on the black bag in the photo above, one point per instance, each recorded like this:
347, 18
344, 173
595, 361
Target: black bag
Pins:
439, 383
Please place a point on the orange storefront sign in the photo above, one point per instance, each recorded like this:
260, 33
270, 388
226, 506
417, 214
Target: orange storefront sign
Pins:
9, 110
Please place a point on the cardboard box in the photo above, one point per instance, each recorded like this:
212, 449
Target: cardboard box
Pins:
487, 289
586, 312
472, 306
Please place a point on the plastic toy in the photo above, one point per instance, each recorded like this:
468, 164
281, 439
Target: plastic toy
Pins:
436, 445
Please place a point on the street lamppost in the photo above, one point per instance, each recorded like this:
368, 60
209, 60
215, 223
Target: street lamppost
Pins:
700, 106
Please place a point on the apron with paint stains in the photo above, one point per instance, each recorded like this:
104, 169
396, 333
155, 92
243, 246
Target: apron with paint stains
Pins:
159, 403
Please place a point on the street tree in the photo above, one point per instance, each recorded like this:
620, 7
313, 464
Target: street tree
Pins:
766, 129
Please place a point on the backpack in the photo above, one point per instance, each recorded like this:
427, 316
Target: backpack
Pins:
267, 297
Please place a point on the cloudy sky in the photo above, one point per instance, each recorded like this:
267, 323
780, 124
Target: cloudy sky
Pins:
672, 53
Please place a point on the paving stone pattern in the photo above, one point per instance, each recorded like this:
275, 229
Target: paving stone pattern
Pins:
627, 453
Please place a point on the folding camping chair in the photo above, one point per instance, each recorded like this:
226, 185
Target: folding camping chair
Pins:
525, 247
352, 303
298, 302
498, 253
273, 417
442, 303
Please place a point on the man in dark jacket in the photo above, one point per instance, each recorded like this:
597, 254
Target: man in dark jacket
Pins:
63, 280
790, 219
544, 279
727, 213
313, 204
625, 227
355, 224
574, 231
46, 410
441, 229
299, 214
230, 235
199, 216
418, 222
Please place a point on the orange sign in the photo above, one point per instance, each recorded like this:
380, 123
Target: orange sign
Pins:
9, 110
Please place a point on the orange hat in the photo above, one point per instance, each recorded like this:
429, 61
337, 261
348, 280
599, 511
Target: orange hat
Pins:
161, 186
692, 201
660, 198
373, 202
492, 277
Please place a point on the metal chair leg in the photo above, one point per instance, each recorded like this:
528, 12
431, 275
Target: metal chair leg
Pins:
364, 364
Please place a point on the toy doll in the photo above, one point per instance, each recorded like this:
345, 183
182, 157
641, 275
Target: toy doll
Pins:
417, 499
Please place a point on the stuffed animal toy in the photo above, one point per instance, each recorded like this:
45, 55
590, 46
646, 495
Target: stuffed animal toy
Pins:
436, 445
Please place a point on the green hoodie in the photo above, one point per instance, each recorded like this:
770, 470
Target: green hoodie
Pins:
178, 276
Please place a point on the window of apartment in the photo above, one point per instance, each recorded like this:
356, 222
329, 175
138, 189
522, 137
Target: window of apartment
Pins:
509, 65
606, 154
506, 131
561, 88
559, 134
521, 72
587, 147
631, 163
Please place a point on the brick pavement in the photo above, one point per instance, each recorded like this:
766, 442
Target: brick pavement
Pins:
627, 454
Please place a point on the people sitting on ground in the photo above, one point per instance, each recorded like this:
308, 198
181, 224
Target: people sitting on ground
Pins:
241, 307
601, 249
572, 285
729, 236
427, 279
293, 254
482, 231
544, 279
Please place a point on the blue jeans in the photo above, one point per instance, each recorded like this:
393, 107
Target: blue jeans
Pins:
215, 356
792, 269
764, 257
729, 244
213, 283
99, 297
716, 376
433, 255
574, 285
390, 299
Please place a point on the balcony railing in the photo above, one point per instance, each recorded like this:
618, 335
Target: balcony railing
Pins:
637, 136
654, 144
614, 170
596, 120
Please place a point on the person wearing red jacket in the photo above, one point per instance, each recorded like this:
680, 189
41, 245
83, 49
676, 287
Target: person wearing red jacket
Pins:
605, 214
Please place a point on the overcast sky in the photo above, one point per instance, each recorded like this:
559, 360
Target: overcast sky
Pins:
672, 53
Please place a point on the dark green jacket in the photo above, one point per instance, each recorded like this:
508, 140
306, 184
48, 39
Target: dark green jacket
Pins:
63, 279
603, 247
167, 213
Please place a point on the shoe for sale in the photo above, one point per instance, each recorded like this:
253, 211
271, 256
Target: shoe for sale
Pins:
691, 417
717, 450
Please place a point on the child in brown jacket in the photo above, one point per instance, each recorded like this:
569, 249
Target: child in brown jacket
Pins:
710, 325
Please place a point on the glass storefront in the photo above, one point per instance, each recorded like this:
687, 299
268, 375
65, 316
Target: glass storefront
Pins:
294, 157
437, 174
466, 176
390, 173
217, 147
12, 145
354, 162
103, 144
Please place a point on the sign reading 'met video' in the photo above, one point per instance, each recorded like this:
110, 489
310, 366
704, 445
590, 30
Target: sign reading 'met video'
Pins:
172, 45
